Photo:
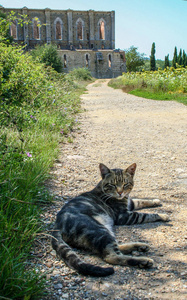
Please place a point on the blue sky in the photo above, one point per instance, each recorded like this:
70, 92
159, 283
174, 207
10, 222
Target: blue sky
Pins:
138, 22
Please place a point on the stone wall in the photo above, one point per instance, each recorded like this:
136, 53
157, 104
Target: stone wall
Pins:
102, 63
84, 38
68, 19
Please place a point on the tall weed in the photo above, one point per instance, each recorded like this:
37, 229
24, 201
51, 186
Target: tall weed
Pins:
168, 84
37, 111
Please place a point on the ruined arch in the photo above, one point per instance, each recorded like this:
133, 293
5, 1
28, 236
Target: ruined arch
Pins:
14, 30
109, 61
36, 28
58, 25
80, 29
87, 60
102, 29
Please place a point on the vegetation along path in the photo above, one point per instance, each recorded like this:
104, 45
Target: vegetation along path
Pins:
118, 129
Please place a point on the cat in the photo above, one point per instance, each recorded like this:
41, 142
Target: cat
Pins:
87, 222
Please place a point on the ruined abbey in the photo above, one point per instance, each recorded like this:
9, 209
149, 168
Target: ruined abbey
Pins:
84, 38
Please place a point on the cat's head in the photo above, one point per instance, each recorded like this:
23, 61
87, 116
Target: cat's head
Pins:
117, 183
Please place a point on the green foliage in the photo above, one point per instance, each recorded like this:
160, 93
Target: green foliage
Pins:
48, 55
5, 23
37, 108
80, 74
162, 84
179, 59
4, 29
184, 59
134, 60
175, 58
160, 64
152, 58
166, 64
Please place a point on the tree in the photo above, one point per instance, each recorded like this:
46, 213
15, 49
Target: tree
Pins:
4, 29
48, 55
5, 23
184, 59
166, 64
179, 59
134, 59
175, 58
152, 58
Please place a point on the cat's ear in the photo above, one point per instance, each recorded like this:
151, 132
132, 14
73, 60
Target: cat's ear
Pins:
131, 169
104, 170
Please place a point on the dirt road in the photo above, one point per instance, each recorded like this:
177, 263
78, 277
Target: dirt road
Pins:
118, 129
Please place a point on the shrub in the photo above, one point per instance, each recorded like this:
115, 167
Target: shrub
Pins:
169, 83
48, 55
37, 107
80, 74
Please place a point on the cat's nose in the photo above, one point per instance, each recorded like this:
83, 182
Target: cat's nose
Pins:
120, 193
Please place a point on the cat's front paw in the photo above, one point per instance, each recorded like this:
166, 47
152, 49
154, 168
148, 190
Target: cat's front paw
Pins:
156, 202
164, 217
145, 262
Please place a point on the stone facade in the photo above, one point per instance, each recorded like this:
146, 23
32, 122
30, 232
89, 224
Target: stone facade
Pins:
84, 38
101, 63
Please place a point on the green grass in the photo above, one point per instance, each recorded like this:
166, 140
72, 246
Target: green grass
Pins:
30, 134
159, 96
168, 84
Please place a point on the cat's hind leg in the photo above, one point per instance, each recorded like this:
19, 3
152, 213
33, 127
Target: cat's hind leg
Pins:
113, 255
130, 247
134, 204
127, 260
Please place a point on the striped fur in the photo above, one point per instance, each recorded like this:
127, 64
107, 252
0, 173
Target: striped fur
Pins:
87, 222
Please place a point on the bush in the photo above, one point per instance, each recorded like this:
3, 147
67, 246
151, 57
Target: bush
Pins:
162, 84
80, 74
37, 107
48, 55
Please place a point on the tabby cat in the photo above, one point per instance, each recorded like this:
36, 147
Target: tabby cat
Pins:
87, 222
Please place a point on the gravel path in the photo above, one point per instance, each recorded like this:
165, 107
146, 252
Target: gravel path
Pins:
118, 129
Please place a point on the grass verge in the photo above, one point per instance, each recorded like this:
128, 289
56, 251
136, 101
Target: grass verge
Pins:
38, 108
168, 84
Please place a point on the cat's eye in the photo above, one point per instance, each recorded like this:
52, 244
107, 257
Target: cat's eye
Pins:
110, 186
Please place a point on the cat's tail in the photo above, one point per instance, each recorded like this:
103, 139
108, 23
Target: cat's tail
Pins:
73, 261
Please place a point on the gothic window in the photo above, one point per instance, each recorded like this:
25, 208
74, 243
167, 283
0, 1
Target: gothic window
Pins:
65, 61
58, 29
80, 24
36, 28
13, 30
109, 61
102, 30
87, 61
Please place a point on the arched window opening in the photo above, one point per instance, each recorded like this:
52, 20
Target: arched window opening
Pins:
58, 29
65, 61
13, 30
109, 61
36, 29
102, 30
87, 61
79, 29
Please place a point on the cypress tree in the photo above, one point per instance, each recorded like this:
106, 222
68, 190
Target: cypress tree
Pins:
179, 59
166, 64
152, 58
175, 58
184, 59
